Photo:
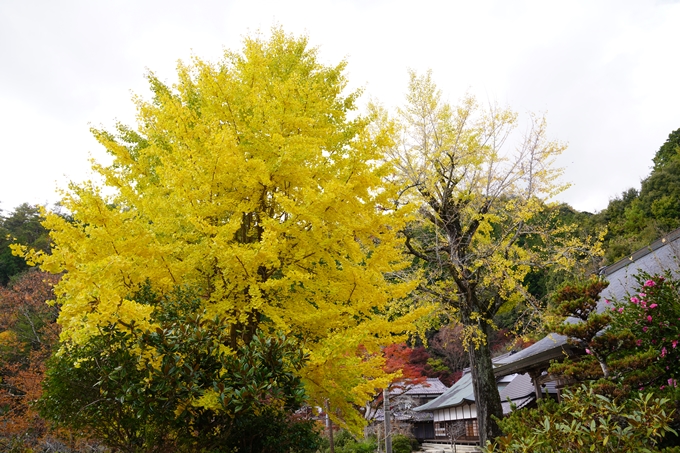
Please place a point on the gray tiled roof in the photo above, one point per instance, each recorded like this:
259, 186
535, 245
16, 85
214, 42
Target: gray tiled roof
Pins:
521, 392
662, 255
431, 386
551, 347
405, 416
459, 393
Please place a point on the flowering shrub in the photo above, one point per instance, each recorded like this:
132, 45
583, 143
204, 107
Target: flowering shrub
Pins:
652, 316
632, 346
630, 363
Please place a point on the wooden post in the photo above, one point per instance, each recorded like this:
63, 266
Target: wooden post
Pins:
388, 428
535, 375
330, 427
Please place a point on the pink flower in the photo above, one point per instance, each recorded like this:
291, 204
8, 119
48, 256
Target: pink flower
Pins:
634, 299
643, 304
649, 318
672, 382
588, 351
606, 301
674, 343
643, 295
621, 310
663, 352
650, 283
644, 329
653, 306
638, 342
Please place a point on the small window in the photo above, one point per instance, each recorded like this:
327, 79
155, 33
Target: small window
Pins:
471, 428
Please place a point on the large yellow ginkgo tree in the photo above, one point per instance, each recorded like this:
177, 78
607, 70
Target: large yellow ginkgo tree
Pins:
254, 182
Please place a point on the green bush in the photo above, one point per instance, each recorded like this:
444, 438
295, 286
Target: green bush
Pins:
342, 438
365, 446
345, 443
587, 421
401, 444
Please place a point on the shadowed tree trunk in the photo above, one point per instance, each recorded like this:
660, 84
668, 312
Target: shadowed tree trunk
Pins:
487, 398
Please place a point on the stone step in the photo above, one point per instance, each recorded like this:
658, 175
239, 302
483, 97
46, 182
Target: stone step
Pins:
446, 448
440, 449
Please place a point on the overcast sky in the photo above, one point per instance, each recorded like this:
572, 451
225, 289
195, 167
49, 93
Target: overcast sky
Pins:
607, 73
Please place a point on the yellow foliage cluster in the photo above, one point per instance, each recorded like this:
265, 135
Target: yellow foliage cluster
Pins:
485, 194
248, 182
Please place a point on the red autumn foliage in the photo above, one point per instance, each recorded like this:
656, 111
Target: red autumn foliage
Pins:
28, 332
399, 357
416, 364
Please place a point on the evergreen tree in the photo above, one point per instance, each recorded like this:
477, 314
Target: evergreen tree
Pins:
21, 226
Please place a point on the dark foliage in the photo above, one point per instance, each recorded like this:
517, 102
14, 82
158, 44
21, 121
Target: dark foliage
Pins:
177, 387
22, 226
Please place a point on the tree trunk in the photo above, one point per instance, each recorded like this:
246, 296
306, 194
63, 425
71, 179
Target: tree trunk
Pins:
487, 399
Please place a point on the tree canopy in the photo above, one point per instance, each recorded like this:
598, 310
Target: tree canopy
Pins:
668, 151
253, 183
21, 226
484, 224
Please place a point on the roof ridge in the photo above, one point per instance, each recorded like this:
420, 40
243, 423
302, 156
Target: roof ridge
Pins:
644, 251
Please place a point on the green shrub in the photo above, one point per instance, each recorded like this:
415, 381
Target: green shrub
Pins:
401, 444
365, 446
586, 421
342, 438
345, 443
